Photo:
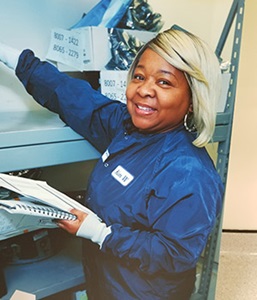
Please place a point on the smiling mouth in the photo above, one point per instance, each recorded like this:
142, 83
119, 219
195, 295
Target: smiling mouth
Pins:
145, 109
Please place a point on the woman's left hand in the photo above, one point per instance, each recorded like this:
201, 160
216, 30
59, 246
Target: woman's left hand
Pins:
73, 226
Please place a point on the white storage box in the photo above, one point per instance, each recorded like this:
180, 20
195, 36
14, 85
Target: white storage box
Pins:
87, 48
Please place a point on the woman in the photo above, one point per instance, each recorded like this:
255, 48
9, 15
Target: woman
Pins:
155, 188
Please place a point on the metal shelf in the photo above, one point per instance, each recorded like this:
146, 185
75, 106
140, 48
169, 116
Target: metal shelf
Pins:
59, 272
38, 139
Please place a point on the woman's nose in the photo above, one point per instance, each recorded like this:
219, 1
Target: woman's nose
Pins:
146, 88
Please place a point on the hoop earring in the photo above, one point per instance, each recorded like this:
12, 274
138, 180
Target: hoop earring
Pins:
189, 122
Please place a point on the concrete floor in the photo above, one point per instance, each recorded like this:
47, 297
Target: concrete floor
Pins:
237, 273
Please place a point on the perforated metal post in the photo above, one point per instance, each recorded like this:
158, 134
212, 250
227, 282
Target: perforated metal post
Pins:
213, 246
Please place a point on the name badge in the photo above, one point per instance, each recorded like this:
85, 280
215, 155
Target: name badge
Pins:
122, 176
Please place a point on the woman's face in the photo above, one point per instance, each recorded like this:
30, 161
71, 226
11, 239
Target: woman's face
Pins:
158, 96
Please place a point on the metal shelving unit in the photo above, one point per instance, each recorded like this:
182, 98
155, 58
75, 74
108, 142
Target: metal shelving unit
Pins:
73, 148
209, 262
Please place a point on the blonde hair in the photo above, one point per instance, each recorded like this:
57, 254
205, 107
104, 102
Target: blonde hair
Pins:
194, 57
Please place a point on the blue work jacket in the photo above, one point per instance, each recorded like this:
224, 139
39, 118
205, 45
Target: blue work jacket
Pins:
159, 193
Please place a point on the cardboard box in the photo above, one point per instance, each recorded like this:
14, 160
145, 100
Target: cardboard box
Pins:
87, 48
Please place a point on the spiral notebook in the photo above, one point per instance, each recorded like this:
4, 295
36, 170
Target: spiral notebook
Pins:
34, 209
39, 206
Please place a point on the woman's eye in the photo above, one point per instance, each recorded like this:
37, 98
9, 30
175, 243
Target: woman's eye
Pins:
164, 82
138, 77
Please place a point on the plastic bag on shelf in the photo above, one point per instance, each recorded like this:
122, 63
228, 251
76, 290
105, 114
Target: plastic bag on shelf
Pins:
140, 16
123, 49
107, 13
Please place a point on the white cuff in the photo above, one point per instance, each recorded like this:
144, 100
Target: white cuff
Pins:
9, 56
92, 228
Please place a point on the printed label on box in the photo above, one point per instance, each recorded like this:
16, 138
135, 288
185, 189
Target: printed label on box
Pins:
68, 47
113, 84
88, 48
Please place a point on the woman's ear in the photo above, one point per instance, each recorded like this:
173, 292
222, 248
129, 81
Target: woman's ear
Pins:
190, 109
